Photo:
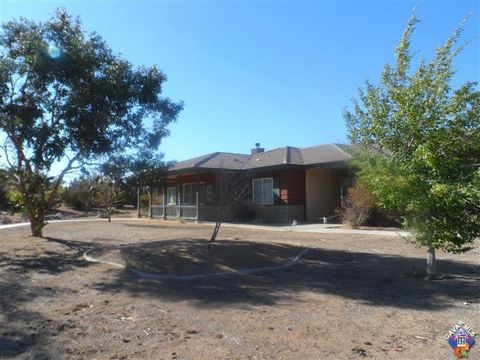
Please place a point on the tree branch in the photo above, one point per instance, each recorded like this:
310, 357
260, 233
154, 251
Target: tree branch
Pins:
59, 180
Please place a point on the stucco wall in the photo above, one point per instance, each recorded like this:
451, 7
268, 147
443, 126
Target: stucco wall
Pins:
322, 193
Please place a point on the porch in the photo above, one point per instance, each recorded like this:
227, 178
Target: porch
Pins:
172, 212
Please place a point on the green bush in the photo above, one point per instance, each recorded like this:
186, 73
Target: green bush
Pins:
144, 201
4, 203
79, 194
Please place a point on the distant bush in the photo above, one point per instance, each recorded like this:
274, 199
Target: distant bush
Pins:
4, 203
79, 194
144, 201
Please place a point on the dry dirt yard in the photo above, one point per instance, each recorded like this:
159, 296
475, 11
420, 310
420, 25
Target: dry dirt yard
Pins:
348, 297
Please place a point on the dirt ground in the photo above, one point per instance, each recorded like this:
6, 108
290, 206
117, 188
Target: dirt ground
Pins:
349, 297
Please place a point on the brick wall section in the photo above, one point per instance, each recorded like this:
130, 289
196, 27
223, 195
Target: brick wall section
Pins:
280, 214
209, 213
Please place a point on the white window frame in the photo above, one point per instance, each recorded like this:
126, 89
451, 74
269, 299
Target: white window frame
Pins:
262, 180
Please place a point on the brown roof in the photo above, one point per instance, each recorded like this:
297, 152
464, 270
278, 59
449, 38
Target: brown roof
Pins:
217, 160
320, 155
287, 155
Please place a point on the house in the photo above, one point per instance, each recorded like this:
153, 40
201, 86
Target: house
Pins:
279, 186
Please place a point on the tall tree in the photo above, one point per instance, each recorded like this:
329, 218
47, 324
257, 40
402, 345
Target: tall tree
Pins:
422, 146
145, 169
66, 98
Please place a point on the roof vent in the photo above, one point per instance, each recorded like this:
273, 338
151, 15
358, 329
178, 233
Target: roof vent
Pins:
257, 149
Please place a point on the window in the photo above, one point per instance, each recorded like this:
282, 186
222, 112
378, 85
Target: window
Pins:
172, 196
189, 194
263, 191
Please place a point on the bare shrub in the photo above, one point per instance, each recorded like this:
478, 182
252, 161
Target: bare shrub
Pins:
356, 206
351, 214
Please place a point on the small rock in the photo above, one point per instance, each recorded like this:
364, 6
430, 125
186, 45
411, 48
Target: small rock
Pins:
78, 307
289, 328
360, 351
367, 343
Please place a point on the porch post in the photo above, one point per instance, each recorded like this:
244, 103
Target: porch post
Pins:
138, 201
196, 200
196, 215
150, 210
164, 202
179, 197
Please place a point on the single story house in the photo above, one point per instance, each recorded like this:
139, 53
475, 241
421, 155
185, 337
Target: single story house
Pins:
276, 186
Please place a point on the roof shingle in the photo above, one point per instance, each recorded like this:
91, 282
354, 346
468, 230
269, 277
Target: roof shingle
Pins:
288, 155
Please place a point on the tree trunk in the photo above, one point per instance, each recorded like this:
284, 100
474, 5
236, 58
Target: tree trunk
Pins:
36, 225
36, 215
215, 232
431, 271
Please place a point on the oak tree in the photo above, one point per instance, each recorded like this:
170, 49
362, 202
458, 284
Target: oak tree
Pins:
66, 98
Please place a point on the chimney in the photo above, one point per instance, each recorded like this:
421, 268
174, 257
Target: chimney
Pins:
257, 149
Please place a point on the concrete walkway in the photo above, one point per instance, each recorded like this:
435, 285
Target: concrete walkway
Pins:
307, 228
9, 226
317, 228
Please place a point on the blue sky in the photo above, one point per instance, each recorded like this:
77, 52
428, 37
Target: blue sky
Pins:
274, 72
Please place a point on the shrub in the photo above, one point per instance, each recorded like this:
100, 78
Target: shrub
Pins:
4, 190
356, 206
243, 210
79, 194
351, 214
144, 201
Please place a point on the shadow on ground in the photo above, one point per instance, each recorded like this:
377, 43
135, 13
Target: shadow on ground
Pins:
23, 332
373, 279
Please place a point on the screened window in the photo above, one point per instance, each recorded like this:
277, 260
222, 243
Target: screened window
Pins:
189, 194
172, 196
263, 191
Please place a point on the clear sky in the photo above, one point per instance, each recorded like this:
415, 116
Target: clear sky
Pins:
274, 72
